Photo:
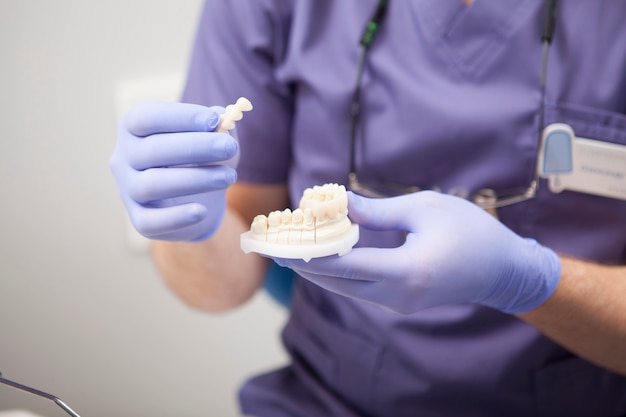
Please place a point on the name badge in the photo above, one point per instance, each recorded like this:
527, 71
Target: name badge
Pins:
581, 164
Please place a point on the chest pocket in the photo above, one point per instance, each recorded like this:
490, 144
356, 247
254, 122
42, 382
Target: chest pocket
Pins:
601, 219
595, 226
604, 125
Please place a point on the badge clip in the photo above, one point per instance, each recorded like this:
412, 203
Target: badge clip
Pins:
580, 164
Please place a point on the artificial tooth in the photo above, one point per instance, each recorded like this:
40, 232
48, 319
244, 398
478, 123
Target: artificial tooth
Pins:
260, 218
233, 113
295, 236
259, 225
309, 219
320, 195
284, 229
308, 194
342, 202
286, 216
243, 104
318, 211
297, 217
332, 209
274, 219
273, 223
308, 227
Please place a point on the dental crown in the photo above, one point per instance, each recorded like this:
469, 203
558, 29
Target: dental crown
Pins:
233, 113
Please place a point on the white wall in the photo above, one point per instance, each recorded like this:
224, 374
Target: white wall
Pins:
81, 315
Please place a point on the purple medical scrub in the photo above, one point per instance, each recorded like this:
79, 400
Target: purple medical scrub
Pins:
451, 100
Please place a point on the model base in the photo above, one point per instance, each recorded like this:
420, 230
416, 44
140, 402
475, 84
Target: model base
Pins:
339, 245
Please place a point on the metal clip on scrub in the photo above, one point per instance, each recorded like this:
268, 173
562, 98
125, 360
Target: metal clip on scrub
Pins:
318, 227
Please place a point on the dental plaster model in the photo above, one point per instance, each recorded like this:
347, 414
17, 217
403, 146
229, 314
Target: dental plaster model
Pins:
318, 227
233, 113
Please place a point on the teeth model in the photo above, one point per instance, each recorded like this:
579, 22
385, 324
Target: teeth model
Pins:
318, 227
233, 113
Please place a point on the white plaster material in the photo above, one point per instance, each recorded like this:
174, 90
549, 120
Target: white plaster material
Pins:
318, 227
233, 113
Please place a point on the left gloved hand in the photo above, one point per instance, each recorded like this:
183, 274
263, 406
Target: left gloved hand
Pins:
454, 253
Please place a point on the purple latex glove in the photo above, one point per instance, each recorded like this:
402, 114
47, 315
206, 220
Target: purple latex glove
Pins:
172, 170
454, 253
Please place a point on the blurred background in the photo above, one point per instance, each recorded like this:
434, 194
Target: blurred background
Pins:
83, 313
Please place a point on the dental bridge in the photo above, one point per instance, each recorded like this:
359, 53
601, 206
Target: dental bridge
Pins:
233, 113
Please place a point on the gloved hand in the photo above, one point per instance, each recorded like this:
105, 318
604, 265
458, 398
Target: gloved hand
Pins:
172, 170
454, 253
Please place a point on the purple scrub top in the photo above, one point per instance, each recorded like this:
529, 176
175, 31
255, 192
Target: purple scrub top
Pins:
451, 100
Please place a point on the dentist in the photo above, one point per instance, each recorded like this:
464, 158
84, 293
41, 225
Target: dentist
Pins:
442, 309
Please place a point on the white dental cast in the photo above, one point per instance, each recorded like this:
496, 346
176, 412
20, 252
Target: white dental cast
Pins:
233, 113
323, 214
318, 227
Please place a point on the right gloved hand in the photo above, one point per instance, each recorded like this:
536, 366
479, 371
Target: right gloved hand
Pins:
454, 252
172, 169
